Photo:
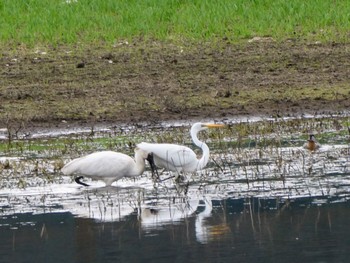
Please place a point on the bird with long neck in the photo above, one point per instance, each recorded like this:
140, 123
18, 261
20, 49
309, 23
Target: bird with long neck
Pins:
179, 158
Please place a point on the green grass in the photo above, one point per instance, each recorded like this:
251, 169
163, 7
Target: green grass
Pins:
242, 134
84, 22
58, 146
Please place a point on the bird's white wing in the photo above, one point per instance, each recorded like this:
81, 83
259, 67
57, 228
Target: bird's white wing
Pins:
171, 156
102, 164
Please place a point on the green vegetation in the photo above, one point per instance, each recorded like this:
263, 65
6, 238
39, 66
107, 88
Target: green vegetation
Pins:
247, 141
83, 22
264, 133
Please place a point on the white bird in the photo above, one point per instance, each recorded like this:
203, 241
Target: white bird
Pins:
179, 158
107, 166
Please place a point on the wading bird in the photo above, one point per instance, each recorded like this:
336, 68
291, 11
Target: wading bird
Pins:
179, 158
107, 166
311, 144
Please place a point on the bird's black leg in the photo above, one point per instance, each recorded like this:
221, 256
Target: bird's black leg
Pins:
77, 180
154, 170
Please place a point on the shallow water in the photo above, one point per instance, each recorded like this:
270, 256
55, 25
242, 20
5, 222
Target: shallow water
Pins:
254, 203
242, 230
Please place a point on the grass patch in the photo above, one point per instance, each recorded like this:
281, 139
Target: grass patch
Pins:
84, 22
292, 132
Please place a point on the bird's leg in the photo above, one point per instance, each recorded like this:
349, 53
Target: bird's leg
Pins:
77, 180
154, 170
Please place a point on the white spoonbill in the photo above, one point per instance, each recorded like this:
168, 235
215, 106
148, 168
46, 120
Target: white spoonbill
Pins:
179, 158
107, 166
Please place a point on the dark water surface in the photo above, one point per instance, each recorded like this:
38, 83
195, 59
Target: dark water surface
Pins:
234, 230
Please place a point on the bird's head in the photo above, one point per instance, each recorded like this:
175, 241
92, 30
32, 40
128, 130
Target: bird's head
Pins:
312, 138
142, 153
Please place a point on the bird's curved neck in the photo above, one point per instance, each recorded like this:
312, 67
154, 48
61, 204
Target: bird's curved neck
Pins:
202, 162
140, 164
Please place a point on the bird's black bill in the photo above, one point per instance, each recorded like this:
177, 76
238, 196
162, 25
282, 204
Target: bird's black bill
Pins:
77, 180
154, 170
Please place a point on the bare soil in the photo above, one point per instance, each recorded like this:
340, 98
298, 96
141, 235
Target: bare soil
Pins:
155, 82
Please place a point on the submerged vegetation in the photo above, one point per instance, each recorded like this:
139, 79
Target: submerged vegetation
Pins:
241, 143
237, 133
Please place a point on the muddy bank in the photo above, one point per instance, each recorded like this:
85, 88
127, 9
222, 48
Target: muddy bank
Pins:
153, 82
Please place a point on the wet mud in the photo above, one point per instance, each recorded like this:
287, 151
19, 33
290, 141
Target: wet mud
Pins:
154, 82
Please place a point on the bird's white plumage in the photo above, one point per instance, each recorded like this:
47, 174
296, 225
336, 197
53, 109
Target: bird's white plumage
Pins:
171, 156
108, 166
180, 158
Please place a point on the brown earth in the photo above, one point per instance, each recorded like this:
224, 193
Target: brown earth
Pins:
155, 81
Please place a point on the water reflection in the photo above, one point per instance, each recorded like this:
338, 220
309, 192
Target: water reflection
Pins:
243, 230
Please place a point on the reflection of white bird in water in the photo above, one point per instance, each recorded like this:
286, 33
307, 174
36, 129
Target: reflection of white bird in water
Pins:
202, 230
180, 158
209, 230
170, 213
107, 166
98, 208
311, 144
